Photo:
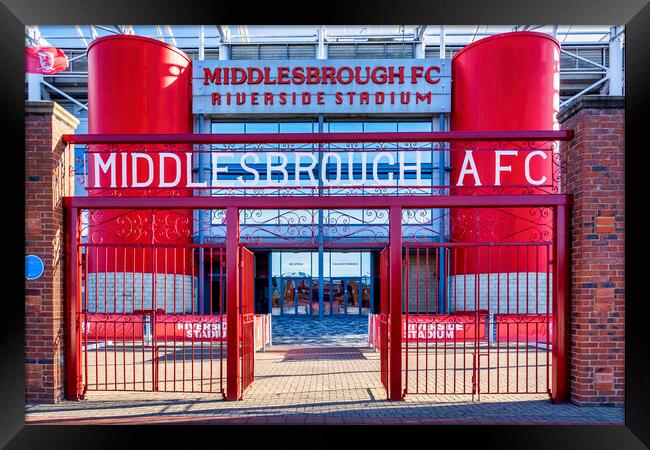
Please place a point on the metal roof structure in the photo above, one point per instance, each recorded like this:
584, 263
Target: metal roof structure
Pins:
585, 66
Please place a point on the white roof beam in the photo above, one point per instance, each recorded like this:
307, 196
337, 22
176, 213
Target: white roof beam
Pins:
420, 32
81, 35
224, 34
159, 33
168, 28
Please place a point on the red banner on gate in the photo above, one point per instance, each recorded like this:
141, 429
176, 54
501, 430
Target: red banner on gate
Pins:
443, 327
45, 60
513, 328
101, 328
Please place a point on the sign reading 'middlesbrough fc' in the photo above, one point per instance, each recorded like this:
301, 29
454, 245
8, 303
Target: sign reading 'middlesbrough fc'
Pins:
322, 86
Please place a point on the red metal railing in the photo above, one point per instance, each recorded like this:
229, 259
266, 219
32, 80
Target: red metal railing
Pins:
394, 202
247, 314
144, 328
391, 145
494, 334
381, 334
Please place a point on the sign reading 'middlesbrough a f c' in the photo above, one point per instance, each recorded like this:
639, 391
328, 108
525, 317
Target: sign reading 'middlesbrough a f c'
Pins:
322, 86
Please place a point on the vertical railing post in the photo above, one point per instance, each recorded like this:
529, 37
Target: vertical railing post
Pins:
395, 302
233, 381
560, 357
73, 384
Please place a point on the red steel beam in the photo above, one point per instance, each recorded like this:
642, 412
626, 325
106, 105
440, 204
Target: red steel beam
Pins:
306, 138
74, 382
560, 352
309, 202
395, 304
233, 372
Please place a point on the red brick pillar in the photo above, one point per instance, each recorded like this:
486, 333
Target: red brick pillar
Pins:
595, 178
47, 180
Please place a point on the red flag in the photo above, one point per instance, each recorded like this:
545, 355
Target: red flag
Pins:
45, 60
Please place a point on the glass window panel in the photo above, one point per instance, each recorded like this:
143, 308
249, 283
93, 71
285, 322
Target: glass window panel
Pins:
327, 262
261, 127
344, 127
378, 127
228, 127
296, 264
276, 267
365, 264
346, 264
414, 126
297, 127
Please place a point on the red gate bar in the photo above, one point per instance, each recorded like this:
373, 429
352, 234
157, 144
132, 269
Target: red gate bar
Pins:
74, 383
247, 319
468, 350
395, 299
322, 138
233, 389
554, 201
284, 202
381, 333
142, 344
560, 382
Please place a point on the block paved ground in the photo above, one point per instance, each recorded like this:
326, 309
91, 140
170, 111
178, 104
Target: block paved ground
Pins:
309, 384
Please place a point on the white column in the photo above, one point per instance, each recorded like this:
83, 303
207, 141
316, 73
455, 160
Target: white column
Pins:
34, 86
615, 70
321, 49
201, 42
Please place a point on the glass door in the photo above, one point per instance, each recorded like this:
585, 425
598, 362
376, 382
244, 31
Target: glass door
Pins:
288, 298
337, 295
296, 295
352, 296
303, 295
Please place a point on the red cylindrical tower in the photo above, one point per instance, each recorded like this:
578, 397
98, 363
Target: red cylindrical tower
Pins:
506, 82
138, 85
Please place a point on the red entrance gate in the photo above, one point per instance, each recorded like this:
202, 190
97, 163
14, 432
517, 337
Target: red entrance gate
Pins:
247, 315
141, 326
397, 349
490, 332
143, 320
383, 334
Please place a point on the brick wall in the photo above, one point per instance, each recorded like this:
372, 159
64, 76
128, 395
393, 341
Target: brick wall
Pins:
46, 181
595, 178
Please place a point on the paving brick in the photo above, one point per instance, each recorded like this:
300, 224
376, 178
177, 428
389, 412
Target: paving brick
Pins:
307, 384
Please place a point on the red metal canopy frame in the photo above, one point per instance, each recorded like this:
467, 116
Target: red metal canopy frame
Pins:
394, 203
324, 138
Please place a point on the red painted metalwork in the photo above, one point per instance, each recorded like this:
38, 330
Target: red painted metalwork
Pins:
322, 138
395, 308
120, 69
73, 307
496, 338
382, 333
247, 318
140, 331
378, 201
561, 301
236, 380
485, 143
233, 387
491, 91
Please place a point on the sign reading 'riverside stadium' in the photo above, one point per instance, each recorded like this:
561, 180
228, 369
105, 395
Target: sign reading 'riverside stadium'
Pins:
322, 86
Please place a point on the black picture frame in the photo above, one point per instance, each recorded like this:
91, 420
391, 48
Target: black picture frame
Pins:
634, 14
